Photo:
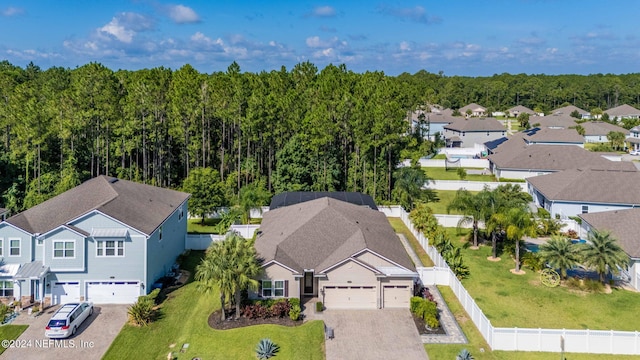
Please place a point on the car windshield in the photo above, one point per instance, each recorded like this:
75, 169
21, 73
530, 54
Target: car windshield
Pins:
57, 323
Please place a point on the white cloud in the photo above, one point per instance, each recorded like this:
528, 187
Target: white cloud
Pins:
12, 11
324, 11
404, 46
124, 26
183, 14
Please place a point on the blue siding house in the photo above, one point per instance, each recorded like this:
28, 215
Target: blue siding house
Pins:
106, 240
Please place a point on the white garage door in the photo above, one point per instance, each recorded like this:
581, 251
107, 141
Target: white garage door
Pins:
113, 292
350, 297
396, 296
63, 292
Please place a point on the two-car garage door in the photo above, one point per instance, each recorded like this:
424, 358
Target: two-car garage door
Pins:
113, 292
350, 297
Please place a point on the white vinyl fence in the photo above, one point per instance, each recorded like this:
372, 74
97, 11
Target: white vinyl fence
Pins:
471, 185
517, 339
202, 241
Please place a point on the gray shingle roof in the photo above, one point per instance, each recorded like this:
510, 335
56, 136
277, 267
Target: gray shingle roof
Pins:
516, 155
320, 233
554, 121
143, 207
601, 128
472, 107
588, 186
475, 124
623, 110
568, 110
548, 135
32, 270
519, 109
624, 225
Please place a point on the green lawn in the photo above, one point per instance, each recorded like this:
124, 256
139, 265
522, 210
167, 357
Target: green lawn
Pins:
400, 228
440, 173
11, 332
522, 301
477, 342
195, 226
183, 319
444, 199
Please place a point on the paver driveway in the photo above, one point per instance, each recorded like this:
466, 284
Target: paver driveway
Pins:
373, 334
100, 329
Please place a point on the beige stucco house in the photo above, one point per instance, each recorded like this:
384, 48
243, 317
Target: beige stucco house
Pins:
345, 255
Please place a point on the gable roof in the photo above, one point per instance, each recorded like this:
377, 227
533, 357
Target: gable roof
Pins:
547, 135
554, 121
517, 155
143, 207
473, 107
319, 233
595, 128
295, 197
624, 225
519, 109
586, 185
475, 124
623, 110
569, 109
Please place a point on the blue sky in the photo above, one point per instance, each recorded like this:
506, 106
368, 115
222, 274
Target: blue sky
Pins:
473, 38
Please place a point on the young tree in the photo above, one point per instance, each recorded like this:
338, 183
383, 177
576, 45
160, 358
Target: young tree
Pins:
560, 253
519, 223
523, 119
252, 196
603, 254
473, 208
229, 266
616, 138
206, 189
408, 187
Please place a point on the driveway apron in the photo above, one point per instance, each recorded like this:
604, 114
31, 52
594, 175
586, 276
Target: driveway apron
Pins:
372, 334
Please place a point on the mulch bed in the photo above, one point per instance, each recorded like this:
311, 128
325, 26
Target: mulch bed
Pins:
232, 323
422, 328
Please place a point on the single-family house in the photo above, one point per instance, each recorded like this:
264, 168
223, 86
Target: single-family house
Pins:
547, 136
554, 121
624, 226
623, 112
633, 139
517, 160
586, 190
519, 109
469, 132
597, 131
473, 110
431, 123
346, 255
106, 240
567, 110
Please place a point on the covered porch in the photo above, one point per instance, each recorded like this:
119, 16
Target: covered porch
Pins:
31, 279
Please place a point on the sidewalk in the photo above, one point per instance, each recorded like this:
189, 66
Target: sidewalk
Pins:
454, 334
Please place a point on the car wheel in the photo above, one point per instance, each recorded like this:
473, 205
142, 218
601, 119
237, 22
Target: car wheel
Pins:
90, 311
73, 332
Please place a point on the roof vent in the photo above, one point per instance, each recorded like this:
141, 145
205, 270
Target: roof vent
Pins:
113, 180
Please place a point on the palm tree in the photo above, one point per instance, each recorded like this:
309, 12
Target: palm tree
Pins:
228, 266
603, 254
560, 253
408, 187
473, 208
252, 196
519, 223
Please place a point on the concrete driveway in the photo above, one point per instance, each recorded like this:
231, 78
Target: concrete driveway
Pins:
90, 342
373, 334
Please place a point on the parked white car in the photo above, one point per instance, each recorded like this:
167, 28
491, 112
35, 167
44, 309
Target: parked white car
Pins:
66, 321
634, 152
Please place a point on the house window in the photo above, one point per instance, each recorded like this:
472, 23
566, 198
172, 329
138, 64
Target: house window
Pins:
64, 249
110, 248
1, 247
585, 209
6, 288
180, 213
14, 247
272, 288
160, 234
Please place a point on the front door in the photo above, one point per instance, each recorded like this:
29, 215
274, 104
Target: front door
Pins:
308, 283
35, 290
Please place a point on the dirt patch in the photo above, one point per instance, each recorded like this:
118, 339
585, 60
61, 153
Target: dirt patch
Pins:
232, 323
519, 272
496, 259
